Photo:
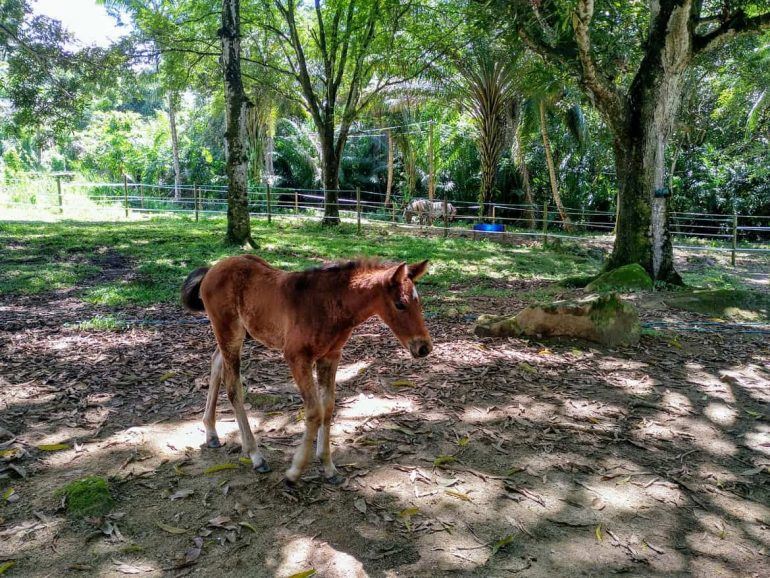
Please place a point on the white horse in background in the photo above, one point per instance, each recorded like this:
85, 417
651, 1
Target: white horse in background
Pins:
427, 211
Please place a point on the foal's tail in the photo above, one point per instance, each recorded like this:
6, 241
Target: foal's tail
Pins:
191, 290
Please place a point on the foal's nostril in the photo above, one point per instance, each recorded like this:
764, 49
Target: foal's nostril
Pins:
423, 351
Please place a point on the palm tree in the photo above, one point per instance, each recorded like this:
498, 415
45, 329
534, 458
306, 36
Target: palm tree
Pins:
547, 97
489, 88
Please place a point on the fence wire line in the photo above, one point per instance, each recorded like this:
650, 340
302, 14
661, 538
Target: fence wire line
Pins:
286, 204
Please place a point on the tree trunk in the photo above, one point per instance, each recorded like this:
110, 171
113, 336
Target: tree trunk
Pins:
529, 212
566, 221
237, 160
269, 149
255, 134
642, 231
389, 185
174, 144
331, 177
431, 167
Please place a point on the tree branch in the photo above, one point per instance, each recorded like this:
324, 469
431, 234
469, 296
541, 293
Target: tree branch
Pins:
738, 23
593, 79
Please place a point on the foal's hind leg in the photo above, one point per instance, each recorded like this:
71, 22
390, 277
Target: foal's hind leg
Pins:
326, 370
210, 415
232, 373
302, 371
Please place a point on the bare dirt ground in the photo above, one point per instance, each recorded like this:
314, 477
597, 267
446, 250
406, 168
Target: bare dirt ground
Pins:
489, 458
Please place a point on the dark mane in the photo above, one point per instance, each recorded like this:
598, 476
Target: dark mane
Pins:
363, 264
334, 272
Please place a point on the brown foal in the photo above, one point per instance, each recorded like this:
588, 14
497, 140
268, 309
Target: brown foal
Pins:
309, 315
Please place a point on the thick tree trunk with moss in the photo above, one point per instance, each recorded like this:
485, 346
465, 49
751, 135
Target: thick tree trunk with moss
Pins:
642, 230
236, 151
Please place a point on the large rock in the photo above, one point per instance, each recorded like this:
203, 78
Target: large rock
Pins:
624, 279
604, 318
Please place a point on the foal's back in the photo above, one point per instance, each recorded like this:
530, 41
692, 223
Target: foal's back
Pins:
243, 293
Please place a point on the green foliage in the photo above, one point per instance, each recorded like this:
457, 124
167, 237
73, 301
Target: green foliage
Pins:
87, 497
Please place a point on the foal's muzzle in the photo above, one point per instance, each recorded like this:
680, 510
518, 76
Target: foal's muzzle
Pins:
420, 347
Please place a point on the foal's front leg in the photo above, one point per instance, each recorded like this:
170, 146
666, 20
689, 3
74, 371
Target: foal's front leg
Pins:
326, 370
302, 370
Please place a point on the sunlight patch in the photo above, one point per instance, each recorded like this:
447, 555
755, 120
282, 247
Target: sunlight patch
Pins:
303, 554
370, 405
721, 414
348, 372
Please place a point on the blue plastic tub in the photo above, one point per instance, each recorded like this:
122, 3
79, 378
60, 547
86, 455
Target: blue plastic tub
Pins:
489, 227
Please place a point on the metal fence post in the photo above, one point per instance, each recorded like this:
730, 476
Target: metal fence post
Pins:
545, 223
296, 202
446, 216
269, 208
197, 203
58, 193
141, 195
125, 193
358, 210
735, 238
493, 213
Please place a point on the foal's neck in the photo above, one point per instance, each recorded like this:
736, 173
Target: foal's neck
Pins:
360, 298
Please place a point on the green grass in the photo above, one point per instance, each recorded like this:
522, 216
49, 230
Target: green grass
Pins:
101, 323
41, 257
87, 497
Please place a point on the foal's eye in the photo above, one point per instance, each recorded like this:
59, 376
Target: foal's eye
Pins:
400, 305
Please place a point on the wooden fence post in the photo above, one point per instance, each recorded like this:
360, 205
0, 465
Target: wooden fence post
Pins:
494, 217
735, 237
545, 223
141, 195
58, 193
446, 216
296, 202
269, 208
393, 211
196, 194
358, 210
125, 193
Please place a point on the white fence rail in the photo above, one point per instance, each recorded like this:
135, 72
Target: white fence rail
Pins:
696, 231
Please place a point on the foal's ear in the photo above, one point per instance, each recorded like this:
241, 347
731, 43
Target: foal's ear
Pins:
399, 274
418, 270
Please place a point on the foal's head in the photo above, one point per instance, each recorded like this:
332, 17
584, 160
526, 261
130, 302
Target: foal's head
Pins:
400, 307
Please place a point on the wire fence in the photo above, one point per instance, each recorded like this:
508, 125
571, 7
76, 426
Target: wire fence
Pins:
58, 196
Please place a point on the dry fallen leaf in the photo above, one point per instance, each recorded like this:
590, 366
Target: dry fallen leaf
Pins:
501, 543
598, 504
458, 495
170, 529
220, 468
303, 574
360, 505
180, 494
53, 447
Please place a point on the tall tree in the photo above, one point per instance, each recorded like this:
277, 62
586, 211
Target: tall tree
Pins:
338, 56
236, 150
631, 61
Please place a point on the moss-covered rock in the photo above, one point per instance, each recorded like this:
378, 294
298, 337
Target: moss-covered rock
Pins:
735, 305
606, 319
87, 497
623, 279
497, 326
